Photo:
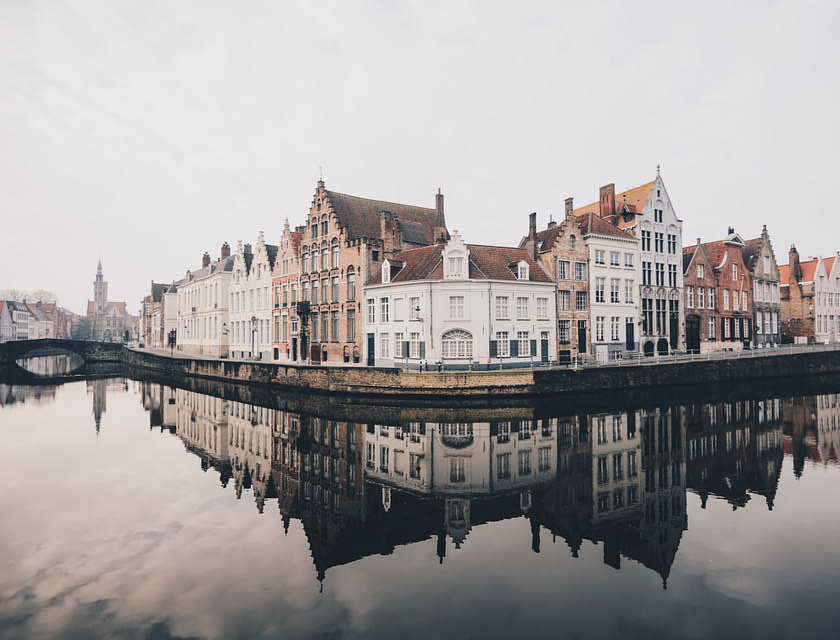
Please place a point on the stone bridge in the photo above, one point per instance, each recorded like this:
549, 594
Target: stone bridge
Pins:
88, 350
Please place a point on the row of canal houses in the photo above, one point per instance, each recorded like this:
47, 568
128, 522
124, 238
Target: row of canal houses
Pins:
368, 282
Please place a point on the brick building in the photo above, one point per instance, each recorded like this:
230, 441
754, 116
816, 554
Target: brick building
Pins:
345, 240
718, 295
285, 282
562, 252
810, 298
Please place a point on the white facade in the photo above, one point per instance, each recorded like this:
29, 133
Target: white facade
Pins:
827, 300
459, 321
15, 321
617, 479
660, 251
250, 300
614, 273
202, 310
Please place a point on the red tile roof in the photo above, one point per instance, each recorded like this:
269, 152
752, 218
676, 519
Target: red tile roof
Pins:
119, 306
361, 216
592, 223
809, 270
784, 274
634, 198
486, 263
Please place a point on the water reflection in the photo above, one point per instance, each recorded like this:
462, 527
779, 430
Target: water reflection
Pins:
52, 363
614, 478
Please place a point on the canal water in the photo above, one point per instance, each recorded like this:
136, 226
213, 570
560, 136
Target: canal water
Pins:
136, 510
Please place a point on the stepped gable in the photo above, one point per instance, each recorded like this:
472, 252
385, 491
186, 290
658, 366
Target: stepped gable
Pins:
361, 217
486, 263
119, 306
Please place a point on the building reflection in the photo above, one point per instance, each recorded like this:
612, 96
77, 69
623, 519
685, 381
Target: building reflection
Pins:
11, 394
617, 479
812, 429
99, 389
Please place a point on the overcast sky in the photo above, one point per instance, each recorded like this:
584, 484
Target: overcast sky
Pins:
146, 133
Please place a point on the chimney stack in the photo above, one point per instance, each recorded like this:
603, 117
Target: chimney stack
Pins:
531, 244
795, 267
441, 235
225, 251
205, 260
569, 207
607, 200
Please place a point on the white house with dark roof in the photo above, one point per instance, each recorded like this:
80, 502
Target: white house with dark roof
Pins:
250, 300
459, 306
15, 318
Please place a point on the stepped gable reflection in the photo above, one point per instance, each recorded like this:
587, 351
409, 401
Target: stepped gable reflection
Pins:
812, 429
735, 449
616, 478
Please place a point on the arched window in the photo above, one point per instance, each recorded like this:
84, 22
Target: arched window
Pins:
335, 254
457, 343
325, 255
571, 241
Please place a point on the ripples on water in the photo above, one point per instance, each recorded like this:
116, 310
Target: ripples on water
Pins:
133, 509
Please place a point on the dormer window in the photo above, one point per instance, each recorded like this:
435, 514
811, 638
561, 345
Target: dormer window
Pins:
522, 271
456, 265
386, 272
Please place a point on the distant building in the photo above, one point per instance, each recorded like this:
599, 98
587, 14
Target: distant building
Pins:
251, 301
810, 298
109, 321
15, 318
285, 282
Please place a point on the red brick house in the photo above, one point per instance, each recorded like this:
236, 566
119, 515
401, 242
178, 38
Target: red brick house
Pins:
717, 295
285, 284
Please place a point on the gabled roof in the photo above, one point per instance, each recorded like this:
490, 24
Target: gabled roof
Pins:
809, 271
486, 263
750, 251
158, 289
592, 223
361, 217
688, 256
716, 251
634, 198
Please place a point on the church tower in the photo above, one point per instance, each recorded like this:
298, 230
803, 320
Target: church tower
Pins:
100, 292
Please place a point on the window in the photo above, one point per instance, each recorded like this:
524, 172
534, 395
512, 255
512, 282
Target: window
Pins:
456, 265
734, 272
563, 298
400, 348
325, 318
725, 299
524, 346
600, 283
701, 271
632, 469
457, 343
614, 322
660, 274
628, 260
734, 300
700, 301
456, 469
351, 325
646, 272
580, 271
618, 472
711, 298
599, 328
314, 259
645, 240
522, 308
335, 289
503, 465
615, 256
542, 308
335, 256
672, 243
657, 213
502, 307
334, 327
351, 285
599, 256
384, 458
766, 260
456, 307
371, 310
659, 242
571, 241
628, 291
544, 459
384, 344
522, 272
672, 275
325, 256
414, 345
524, 462
563, 332
502, 344
615, 286
314, 292
562, 269
580, 300
602, 470
744, 300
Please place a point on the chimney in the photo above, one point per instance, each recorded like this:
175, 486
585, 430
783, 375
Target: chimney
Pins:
795, 267
531, 244
441, 235
551, 222
225, 251
205, 260
247, 248
569, 207
607, 201
730, 230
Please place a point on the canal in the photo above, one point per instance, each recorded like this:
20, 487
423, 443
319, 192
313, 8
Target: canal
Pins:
133, 509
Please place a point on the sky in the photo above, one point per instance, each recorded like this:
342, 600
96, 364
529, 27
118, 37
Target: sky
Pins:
146, 133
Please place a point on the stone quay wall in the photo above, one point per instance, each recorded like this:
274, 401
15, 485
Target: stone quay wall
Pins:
550, 383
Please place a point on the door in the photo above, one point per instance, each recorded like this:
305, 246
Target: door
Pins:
254, 343
675, 331
294, 349
581, 336
544, 346
371, 340
630, 336
692, 334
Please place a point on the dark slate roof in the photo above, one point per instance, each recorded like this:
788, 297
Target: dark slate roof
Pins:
271, 250
486, 263
361, 216
750, 251
158, 289
688, 254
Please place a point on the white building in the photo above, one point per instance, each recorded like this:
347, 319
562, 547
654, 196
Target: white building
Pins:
613, 288
827, 299
460, 306
15, 318
40, 324
251, 300
617, 482
202, 307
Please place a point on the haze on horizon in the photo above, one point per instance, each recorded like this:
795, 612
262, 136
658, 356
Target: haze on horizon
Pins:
145, 133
